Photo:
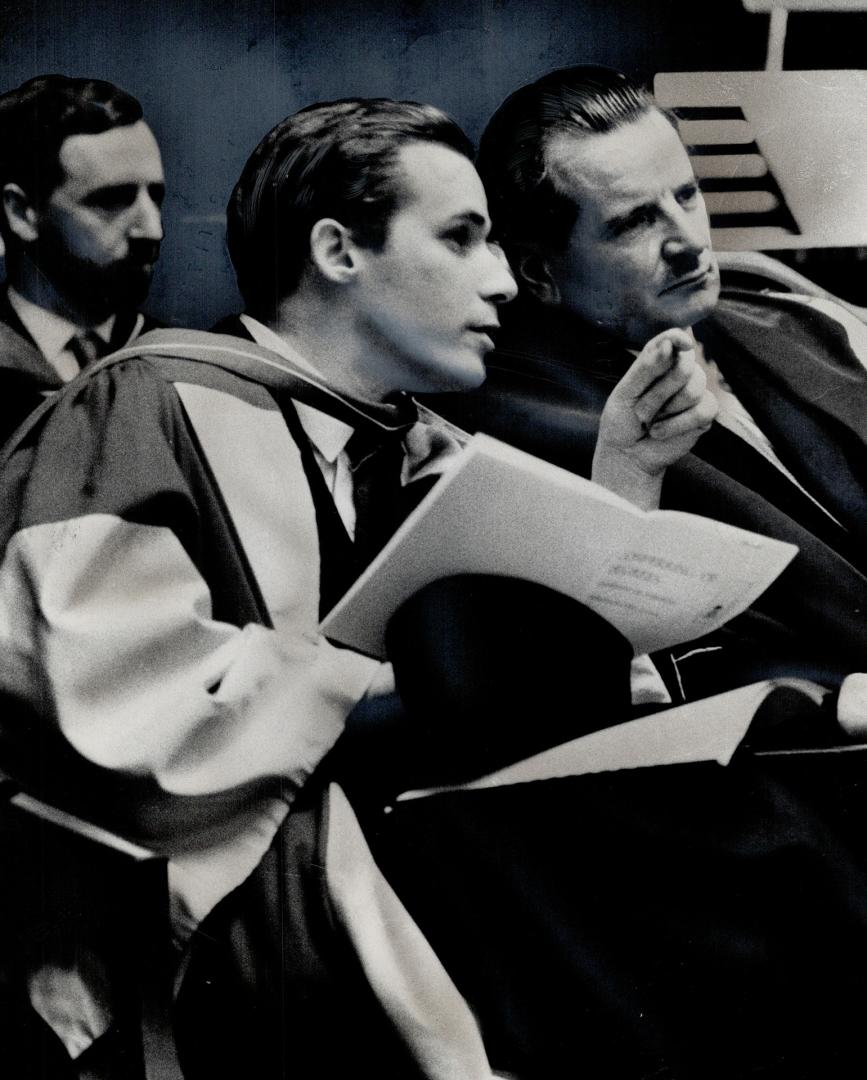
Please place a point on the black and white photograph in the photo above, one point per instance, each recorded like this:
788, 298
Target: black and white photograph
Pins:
433, 539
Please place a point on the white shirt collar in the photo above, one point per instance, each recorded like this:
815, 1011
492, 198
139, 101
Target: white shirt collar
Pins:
50, 331
328, 434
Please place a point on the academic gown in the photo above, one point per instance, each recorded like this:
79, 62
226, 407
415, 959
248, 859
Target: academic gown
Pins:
26, 377
795, 371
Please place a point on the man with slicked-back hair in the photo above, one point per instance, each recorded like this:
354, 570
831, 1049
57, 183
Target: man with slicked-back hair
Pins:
177, 521
688, 921
594, 198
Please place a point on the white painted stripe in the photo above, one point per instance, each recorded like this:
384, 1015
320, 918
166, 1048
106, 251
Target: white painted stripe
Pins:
756, 238
740, 202
804, 5
776, 38
414, 988
715, 132
728, 166
697, 89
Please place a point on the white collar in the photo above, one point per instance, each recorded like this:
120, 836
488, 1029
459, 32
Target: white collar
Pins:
328, 434
50, 331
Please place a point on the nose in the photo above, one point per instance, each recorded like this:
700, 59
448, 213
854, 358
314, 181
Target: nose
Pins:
687, 237
500, 286
147, 218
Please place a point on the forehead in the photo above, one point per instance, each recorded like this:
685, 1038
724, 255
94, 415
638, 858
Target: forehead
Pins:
121, 155
439, 183
631, 165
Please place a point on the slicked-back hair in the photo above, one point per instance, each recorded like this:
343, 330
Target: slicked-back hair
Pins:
39, 115
335, 159
529, 207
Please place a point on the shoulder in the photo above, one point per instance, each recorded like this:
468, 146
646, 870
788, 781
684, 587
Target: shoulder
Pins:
105, 442
120, 436
20, 359
781, 314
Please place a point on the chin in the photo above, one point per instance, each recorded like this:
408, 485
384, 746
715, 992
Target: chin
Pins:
471, 376
456, 374
700, 311
705, 301
687, 315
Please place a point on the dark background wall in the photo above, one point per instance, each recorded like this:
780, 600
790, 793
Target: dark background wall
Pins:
215, 75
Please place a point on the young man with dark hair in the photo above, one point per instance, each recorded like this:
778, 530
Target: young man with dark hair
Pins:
82, 185
180, 521
177, 523
595, 201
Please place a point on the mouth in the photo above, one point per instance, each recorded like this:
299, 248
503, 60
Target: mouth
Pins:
691, 281
482, 334
136, 268
143, 257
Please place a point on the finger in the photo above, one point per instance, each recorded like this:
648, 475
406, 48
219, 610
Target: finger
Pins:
686, 398
697, 419
654, 360
684, 383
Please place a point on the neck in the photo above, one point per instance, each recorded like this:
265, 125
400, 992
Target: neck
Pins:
321, 331
32, 283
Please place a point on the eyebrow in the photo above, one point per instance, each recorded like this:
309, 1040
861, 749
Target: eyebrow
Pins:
119, 191
470, 216
616, 221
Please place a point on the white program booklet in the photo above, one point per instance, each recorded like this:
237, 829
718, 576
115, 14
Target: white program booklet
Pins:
708, 730
660, 577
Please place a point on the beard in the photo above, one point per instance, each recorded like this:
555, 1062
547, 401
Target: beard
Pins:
98, 291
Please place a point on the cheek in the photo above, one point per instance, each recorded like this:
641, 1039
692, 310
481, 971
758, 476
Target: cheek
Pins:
87, 238
434, 295
104, 236
607, 282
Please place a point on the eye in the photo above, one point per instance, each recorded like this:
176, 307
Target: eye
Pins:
112, 199
157, 193
644, 215
688, 194
459, 238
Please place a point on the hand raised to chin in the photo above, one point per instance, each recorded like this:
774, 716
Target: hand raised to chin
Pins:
654, 415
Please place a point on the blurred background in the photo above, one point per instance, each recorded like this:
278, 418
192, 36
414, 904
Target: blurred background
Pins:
215, 75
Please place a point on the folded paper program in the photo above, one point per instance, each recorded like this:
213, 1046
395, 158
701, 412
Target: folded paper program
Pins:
660, 577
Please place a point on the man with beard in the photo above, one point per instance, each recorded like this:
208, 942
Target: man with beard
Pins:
82, 184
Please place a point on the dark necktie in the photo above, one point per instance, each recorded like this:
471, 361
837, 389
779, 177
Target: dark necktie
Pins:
375, 461
88, 347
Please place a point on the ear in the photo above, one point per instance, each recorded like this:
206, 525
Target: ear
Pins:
21, 215
535, 274
333, 251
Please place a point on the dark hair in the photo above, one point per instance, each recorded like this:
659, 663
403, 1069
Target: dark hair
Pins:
333, 159
528, 205
36, 118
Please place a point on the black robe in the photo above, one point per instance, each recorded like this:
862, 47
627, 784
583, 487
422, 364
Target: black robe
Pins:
26, 377
793, 369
